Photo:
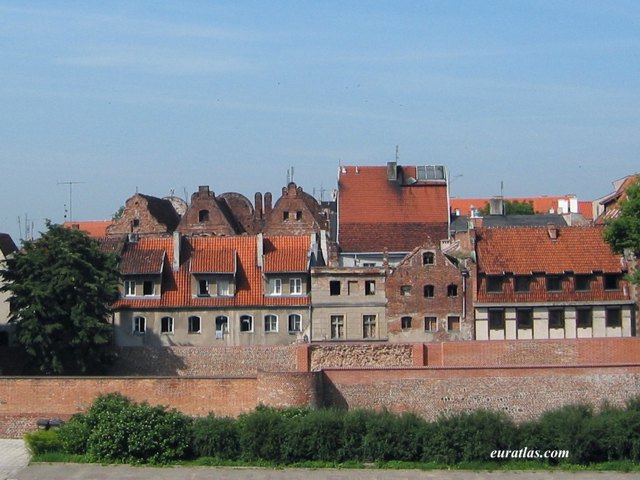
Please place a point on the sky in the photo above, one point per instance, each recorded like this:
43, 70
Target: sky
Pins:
160, 97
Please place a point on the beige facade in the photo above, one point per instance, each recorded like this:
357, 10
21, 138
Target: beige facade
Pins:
348, 304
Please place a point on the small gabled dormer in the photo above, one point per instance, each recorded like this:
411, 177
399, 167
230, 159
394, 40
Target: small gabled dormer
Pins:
142, 270
213, 273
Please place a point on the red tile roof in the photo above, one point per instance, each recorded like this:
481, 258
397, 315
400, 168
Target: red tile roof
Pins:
145, 257
375, 213
94, 228
524, 250
212, 256
612, 201
176, 286
7, 245
542, 204
286, 254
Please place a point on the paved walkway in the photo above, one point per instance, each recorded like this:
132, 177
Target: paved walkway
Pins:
122, 472
13, 458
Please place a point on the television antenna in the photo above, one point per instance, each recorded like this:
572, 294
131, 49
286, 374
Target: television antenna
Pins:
71, 184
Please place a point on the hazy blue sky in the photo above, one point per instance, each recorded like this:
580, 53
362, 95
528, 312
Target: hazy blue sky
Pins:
160, 96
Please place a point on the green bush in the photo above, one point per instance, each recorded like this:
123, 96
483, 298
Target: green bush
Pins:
262, 434
74, 434
216, 437
468, 437
43, 441
354, 429
386, 438
315, 436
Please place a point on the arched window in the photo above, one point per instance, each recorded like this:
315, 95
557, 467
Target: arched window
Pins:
222, 324
270, 323
166, 325
195, 324
246, 323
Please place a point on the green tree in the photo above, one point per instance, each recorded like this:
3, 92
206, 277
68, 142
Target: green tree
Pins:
60, 286
623, 232
514, 207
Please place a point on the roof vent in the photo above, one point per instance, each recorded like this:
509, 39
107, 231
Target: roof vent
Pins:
392, 171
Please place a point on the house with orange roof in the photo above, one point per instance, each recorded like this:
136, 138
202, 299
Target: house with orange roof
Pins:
93, 228
550, 282
608, 207
390, 209
215, 291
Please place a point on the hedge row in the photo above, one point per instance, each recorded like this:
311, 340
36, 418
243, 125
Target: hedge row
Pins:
116, 429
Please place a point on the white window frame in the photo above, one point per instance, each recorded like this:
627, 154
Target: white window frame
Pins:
369, 321
338, 326
139, 325
275, 286
129, 288
171, 325
190, 328
295, 320
220, 333
223, 288
295, 286
270, 323
251, 324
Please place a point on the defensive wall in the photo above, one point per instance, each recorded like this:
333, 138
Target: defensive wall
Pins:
522, 378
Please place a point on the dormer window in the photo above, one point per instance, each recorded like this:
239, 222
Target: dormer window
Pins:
295, 286
203, 216
428, 258
554, 283
147, 288
275, 286
129, 288
224, 289
203, 288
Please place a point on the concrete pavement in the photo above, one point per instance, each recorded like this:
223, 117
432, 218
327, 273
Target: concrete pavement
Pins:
13, 458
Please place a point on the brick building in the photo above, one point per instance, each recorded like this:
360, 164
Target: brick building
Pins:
550, 282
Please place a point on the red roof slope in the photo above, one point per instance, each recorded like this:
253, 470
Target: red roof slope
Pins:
523, 250
375, 213
212, 257
540, 204
145, 256
286, 254
94, 228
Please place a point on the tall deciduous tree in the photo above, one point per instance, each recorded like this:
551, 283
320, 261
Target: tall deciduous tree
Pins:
623, 232
60, 287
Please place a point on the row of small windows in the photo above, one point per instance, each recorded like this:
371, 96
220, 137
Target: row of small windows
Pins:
167, 324
335, 287
553, 283
431, 323
429, 291
556, 315
286, 215
295, 286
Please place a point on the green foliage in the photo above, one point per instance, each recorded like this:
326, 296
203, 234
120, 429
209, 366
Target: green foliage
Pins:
314, 436
468, 437
392, 437
623, 232
514, 207
60, 286
354, 430
216, 437
43, 441
262, 434
74, 434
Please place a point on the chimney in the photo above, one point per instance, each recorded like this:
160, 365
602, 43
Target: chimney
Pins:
552, 230
203, 190
175, 266
260, 250
267, 204
392, 171
258, 205
496, 206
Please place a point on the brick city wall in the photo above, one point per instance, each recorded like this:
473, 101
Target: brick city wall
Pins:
203, 361
355, 355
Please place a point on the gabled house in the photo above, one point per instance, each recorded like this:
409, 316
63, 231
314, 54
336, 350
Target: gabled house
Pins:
144, 215
608, 207
390, 209
550, 282
429, 295
295, 213
212, 291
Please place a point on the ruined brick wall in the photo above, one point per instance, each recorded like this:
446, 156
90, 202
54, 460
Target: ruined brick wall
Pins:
204, 361
360, 355
289, 389
523, 393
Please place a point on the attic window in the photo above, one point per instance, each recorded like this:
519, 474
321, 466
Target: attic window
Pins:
611, 281
494, 284
429, 291
554, 283
203, 216
285, 216
430, 172
298, 215
147, 287
428, 258
405, 290
136, 222
452, 290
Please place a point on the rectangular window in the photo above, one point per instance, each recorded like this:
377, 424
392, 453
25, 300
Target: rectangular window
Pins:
556, 318
298, 215
222, 326
523, 283
194, 325
166, 325
352, 287
285, 216
369, 326
613, 317
494, 284
275, 286
428, 258
139, 325
147, 288
582, 283
405, 323
453, 323
430, 324
337, 326
334, 287
584, 317
369, 287
129, 288
430, 172
203, 288
496, 319
223, 288
452, 290
429, 291
295, 323
554, 283
270, 323
524, 318
405, 290
611, 281
295, 286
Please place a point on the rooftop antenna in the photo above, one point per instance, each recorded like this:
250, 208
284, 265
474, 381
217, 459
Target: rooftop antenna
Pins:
71, 184
501, 188
397, 153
